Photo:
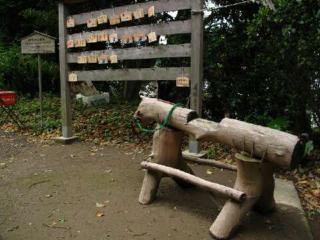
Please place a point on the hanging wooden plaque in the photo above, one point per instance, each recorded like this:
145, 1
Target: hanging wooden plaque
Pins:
103, 59
151, 11
113, 58
70, 22
126, 16
139, 13
139, 37
124, 39
82, 59
103, 36
115, 19
152, 37
70, 43
92, 23
102, 19
92, 58
113, 38
80, 43
183, 82
73, 77
92, 38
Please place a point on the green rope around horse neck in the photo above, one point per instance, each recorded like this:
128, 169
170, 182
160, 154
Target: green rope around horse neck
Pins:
162, 125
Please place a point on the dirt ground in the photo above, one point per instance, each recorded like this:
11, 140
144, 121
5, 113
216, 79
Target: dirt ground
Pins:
51, 191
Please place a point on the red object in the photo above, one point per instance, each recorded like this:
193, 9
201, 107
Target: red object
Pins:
8, 98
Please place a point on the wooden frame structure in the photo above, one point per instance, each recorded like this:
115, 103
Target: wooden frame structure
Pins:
192, 50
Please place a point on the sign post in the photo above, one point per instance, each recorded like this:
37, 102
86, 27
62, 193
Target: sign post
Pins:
40, 90
38, 43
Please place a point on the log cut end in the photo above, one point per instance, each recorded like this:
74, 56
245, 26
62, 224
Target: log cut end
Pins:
280, 148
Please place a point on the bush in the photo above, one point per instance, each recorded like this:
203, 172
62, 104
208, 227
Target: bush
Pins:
20, 72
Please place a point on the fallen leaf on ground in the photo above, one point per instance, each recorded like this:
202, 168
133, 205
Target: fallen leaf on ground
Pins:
99, 214
209, 172
100, 205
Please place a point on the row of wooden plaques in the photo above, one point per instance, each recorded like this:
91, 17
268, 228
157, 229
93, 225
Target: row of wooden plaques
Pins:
111, 38
114, 19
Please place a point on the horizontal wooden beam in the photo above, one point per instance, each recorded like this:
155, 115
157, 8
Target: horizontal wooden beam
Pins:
160, 6
133, 74
169, 28
169, 51
209, 162
204, 184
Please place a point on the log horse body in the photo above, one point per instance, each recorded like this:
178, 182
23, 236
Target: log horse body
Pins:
261, 150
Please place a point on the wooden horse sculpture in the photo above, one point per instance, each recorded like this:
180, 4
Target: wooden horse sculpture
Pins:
261, 149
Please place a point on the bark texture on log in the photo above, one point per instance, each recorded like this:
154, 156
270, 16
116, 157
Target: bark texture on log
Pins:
219, 189
282, 149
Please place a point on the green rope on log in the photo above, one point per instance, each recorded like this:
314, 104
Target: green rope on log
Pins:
164, 123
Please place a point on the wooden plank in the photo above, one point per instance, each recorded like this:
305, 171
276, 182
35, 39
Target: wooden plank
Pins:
160, 6
169, 51
197, 55
196, 64
170, 28
133, 74
64, 69
38, 43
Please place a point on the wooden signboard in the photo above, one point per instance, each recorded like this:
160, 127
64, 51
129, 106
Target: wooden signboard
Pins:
38, 43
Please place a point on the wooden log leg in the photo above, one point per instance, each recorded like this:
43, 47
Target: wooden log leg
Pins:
149, 187
250, 182
266, 202
166, 150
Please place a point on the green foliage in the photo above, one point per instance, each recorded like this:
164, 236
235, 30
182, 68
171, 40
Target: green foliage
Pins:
20, 72
309, 147
28, 111
21, 17
212, 153
279, 123
265, 63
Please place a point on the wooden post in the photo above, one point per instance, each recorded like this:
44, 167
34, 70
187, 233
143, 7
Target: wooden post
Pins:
40, 91
196, 65
66, 112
